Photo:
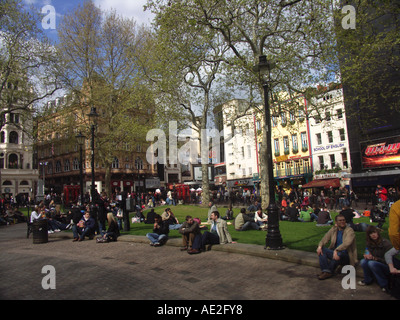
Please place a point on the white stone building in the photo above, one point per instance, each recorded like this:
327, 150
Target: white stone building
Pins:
328, 135
18, 175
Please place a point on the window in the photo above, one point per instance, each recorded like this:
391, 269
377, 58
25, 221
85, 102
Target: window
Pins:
286, 145
304, 142
330, 136
139, 164
276, 145
75, 164
292, 117
274, 121
295, 144
340, 114
344, 160
242, 149
283, 118
115, 163
342, 135
327, 116
58, 166
321, 162
66, 165
12, 161
332, 158
248, 151
319, 138
13, 137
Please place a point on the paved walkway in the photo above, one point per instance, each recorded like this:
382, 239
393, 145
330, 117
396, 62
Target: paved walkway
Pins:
131, 269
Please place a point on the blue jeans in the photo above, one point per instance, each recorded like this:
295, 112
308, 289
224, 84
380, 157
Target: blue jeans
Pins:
81, 232
174, 226
249, 225
157, 238
378, 270
328, 264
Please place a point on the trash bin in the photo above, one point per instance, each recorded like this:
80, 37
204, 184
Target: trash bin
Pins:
40, 231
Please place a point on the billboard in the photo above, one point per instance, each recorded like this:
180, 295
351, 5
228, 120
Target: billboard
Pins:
381, 153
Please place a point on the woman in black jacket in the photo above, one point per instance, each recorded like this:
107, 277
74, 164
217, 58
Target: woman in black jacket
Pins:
112, 232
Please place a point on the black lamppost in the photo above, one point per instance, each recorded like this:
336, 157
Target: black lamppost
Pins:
273, 239
81, 140
93, 115
137, 162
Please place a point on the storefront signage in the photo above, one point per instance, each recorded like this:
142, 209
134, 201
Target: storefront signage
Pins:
381, 153
329, 147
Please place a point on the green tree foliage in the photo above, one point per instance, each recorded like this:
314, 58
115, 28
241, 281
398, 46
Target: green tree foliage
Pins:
99, 52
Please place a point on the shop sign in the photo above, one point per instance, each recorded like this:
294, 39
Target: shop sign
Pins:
381, 153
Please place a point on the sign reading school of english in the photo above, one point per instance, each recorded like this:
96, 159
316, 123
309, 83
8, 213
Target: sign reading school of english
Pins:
329, 147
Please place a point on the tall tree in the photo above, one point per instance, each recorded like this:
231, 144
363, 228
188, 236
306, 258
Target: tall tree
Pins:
28, 62
188, 77
295, 35
99, 51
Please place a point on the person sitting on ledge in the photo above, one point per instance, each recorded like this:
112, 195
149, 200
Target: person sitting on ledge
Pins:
342, 249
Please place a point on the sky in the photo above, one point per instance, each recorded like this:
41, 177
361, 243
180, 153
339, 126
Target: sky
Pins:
128, 8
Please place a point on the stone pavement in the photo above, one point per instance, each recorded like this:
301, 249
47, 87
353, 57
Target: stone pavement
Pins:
130, 269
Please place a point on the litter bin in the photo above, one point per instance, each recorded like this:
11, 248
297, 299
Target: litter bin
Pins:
40, 231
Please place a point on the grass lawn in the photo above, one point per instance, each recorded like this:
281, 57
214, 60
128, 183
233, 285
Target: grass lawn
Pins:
296, 235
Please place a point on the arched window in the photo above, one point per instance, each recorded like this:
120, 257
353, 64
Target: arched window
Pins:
13, 137
58, 166
115, 163
75, 164
66, 165
2, 137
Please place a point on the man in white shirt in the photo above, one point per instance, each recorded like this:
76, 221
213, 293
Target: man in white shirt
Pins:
35, 215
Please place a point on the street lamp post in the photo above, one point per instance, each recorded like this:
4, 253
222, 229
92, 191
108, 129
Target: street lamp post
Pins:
273, 239
93, 119
81, 140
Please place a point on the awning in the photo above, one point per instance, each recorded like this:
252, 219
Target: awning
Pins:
322, 183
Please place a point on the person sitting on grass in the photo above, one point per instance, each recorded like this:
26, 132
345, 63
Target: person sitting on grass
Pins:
305, 215
261, 219
342, 249
245, 221
169, 218
324, 218
159, 236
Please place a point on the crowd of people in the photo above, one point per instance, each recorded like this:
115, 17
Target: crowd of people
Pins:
103, 218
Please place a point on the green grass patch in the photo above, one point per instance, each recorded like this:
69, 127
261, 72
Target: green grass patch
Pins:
303, 236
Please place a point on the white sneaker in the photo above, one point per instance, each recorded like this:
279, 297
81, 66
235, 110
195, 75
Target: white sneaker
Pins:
50, 231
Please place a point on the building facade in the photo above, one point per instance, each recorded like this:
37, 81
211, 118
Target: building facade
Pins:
18, 171
328, 138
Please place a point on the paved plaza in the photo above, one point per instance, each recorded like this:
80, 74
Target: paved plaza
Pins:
131, 270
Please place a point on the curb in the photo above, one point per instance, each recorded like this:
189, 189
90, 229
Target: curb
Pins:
286, 254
